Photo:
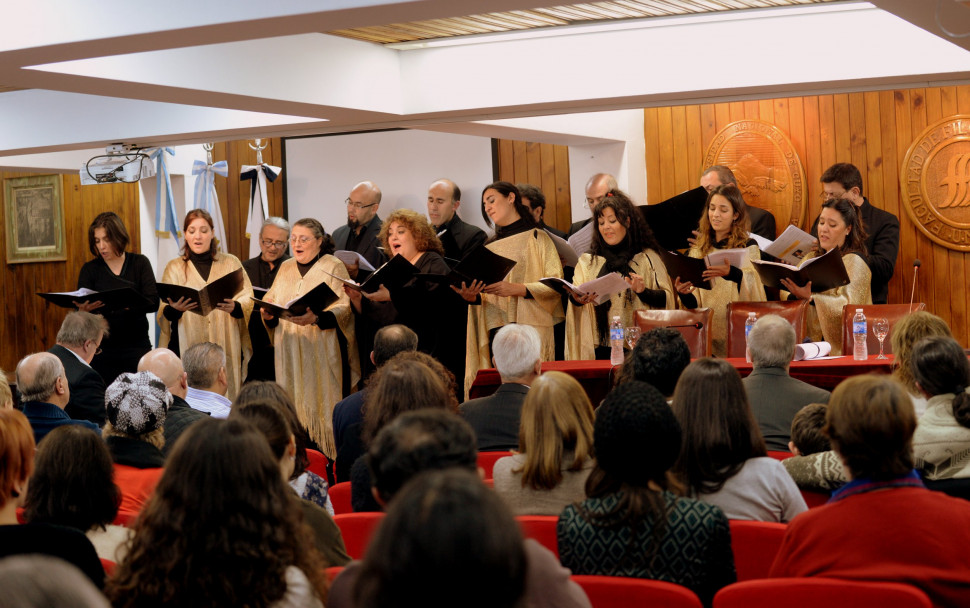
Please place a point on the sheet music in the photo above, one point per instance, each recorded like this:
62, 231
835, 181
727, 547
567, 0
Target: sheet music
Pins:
790, 247
604, 286
735, 257
80, 293
352, 257
582, 241
566, 253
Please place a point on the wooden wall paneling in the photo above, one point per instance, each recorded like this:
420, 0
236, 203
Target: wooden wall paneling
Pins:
695, 149
811, 156
547, 181
857, 133
843, 129
766, 111
752, 109
506, 155
681, 166
737, 111
903, 131
651, 141
563, 211
534, 164
780, 115
941, 258
665, 133
521, 161
543, 165
722, 114
885, 123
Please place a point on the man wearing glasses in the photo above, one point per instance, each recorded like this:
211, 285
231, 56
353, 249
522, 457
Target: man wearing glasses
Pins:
360, 232
262, 269
843, 180
78, 341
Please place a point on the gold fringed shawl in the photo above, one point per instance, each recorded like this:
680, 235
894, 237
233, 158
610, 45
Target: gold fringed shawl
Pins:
536, 258
825, 318
217, 327
582, 333
723, 290
308, 362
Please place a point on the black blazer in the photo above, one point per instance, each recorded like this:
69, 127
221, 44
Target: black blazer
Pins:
87, 387
496, 418
762, 222
368, 247
460, 238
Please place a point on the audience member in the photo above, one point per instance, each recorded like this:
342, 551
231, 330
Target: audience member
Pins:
518, 358
194, 544
941, 442
776, 397
73, 485
273, 425
6, 395
78, 340
633, 522
905, 334
814, 466
44, 393
168, 367
555, 449
16, 465
723, 460
205, 368
137, 405
659, 358
39, 581
883, 525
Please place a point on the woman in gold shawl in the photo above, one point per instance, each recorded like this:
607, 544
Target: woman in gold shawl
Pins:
200, 264
839, 227
624, 243
520, 298
725, 225
316, 353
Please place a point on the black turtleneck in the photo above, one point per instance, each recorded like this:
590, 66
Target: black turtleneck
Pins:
518, 226
203, 265
305, 268
325, 319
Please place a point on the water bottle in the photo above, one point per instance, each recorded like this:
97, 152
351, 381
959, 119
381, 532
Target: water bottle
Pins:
616, 341
748, 324
860, 331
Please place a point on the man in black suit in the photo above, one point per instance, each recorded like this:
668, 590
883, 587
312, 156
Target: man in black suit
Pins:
843, 180
273, 238
457, 237
360, 232
535, 200
762, 222
516, 354
78, 341
596, 189
168, 367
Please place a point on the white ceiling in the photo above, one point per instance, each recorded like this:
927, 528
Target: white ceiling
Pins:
184, 72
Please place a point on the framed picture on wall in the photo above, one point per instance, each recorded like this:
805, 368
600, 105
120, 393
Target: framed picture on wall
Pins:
34, 210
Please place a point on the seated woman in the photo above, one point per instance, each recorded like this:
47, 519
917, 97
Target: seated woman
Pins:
724, 226
73, 485
16, 465
840, 228
883, 525
905, 334
622, 243
222, 530
941, 443
723, 460
633, 522
136, 405
555, 449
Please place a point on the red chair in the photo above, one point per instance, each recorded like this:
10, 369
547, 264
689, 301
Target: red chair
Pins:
108, 565
892, 312
125, 518
819, 592
815, 499
318, 462
698, 340
542, 528
357, 529
755, 545
339, 494
777, 455
486, 460
622, 592
737, 313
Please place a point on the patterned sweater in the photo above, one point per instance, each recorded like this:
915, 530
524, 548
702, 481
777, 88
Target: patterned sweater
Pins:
941, 445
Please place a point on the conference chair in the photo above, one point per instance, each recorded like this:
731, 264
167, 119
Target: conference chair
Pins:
698, 338
486, 461
541, 528
339, 494
892, 312
357, 530
737, 313
623, 592
755, 545
815, 499
818, 592
318, 462
779, 455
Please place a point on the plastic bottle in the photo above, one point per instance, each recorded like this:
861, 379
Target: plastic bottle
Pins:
860, 331
616, 341
748, 324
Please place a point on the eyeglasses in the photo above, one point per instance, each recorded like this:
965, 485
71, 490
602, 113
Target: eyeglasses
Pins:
357, 206
276, 244
303, 240
97, 348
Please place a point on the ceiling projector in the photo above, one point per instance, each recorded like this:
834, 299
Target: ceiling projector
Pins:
122, 163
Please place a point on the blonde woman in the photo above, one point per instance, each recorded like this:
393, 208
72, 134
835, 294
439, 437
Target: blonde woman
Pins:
555, 449
906, 333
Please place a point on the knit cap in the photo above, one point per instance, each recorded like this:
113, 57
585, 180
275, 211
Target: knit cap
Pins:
137, 403
636, 435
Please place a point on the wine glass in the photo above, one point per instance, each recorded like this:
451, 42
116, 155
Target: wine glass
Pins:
880, 327
632, 336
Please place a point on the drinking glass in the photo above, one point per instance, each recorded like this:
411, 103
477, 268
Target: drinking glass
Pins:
880, 327
632, 336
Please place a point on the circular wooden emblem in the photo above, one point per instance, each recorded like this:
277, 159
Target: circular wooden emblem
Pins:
769, 172
935, 180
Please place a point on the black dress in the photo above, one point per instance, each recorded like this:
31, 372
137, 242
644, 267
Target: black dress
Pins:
128, 339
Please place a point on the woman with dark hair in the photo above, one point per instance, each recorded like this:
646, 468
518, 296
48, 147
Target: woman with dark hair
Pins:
941, 443
307, 484
633, 522
73, 485
447, 540
725, 225
723, 460
201, 263
115, 268
839, 227
223, 529
316, 352
520, 298
623, 243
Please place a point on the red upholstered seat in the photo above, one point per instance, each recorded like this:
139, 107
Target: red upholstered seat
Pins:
339, 494
755, 545
542, 528
815, 499
357, 529
318, 462
737, 313
486, 460
892, 312
819, 593
622, 592
778, 455
108, 565
125, 518
699, 340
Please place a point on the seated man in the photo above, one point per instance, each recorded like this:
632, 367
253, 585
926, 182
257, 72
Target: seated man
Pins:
775, 396
883, 525
205, 368
658, 359
44, 392
78, 340
168, 367
814, 466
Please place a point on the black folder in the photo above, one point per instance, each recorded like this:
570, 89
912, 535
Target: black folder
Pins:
317, 299
481, 264
209, 296
687, 268
392, 274
825, 272
673, 220
113, 299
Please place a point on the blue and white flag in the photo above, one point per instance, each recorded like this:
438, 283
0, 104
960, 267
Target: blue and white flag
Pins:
205, 195
166, 223
258, 204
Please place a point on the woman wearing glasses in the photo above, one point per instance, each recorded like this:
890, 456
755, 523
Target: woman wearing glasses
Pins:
201, 263
308, 346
